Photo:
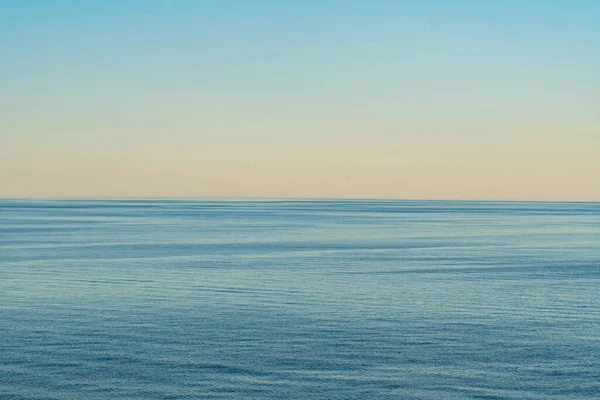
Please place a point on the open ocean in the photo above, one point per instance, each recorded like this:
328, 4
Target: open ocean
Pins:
323, 299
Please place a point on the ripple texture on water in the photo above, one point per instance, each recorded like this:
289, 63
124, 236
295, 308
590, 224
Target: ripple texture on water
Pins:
323, 299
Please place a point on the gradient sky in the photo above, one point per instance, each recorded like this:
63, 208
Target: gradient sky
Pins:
391, 99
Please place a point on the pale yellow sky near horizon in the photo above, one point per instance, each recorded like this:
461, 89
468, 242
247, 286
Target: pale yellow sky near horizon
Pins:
482, 171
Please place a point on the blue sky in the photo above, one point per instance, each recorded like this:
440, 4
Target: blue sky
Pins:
313, 98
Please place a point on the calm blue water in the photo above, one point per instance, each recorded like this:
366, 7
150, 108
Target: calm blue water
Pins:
185, 299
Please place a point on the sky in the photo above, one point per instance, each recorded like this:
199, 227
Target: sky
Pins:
329, 98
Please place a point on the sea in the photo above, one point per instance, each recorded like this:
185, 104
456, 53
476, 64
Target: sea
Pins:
299, 299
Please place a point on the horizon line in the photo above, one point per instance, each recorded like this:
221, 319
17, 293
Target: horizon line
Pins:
275, 198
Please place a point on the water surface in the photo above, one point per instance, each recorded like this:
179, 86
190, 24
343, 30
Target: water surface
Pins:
354, 299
